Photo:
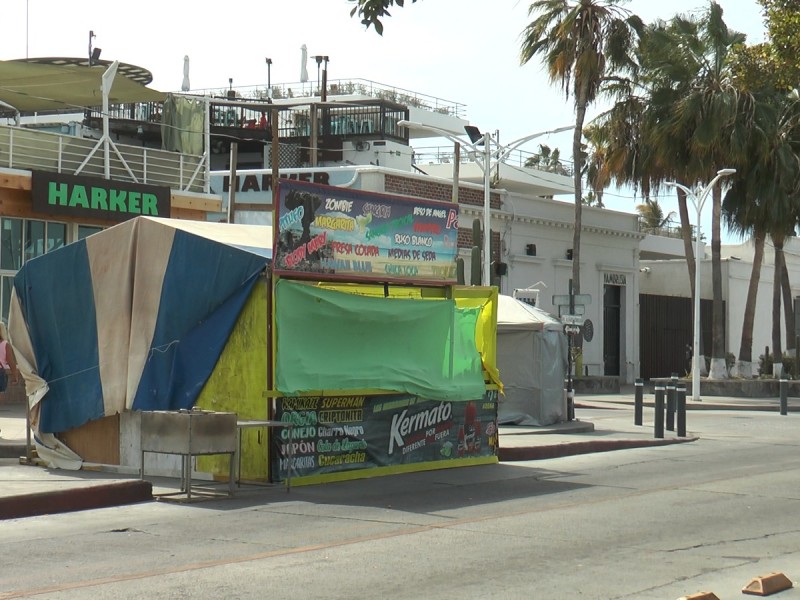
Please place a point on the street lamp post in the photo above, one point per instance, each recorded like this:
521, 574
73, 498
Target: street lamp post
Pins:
487, 163
269, 79
698, 201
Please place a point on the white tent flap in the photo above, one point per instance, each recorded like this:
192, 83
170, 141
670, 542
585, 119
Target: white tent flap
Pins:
532, 359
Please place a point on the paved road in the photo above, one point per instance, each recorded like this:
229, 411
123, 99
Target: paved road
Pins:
647, 523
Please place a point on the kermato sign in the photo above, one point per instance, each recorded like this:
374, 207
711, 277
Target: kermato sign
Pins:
74, 196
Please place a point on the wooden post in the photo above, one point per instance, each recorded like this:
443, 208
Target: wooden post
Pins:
233, 184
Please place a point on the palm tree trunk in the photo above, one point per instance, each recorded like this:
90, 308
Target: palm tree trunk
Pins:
718, 368
777, 353
744, 365
788, 307
686, 234
577, 136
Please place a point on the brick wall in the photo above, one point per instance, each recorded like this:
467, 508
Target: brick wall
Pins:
465, 240
431, 190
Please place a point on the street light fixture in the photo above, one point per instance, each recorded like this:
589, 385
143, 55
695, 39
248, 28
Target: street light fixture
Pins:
698, 201
269, 79
487, 163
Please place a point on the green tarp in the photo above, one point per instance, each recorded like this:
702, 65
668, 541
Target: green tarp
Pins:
182, 125
330, 341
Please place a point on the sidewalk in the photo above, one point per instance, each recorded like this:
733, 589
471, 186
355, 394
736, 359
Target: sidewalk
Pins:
27, 490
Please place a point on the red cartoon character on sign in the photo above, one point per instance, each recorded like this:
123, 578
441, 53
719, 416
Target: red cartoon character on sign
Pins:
469, 435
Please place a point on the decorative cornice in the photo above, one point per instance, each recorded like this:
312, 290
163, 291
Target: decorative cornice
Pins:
526, 259
506, 216
615, 268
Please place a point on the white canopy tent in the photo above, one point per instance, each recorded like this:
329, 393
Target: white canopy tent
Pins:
532, 359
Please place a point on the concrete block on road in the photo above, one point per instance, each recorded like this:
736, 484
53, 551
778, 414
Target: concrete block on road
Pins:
700, 596
766, 585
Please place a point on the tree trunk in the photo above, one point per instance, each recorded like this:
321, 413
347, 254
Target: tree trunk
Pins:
686, 234
744, 366
777, 353
577, 136
788, 307
718, 368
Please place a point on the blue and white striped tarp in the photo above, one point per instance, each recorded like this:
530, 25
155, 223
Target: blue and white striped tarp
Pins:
131, 318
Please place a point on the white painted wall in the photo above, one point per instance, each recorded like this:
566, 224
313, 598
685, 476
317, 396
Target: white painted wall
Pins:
609, 244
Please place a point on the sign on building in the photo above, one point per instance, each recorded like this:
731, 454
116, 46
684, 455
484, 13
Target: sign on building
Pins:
338, 233
78, 196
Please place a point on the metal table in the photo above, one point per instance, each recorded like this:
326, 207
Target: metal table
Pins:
189, 433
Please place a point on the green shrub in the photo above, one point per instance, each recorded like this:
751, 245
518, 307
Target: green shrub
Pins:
765, 366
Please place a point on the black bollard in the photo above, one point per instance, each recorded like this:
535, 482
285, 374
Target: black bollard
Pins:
659, 416
784, 386
680, 394
671, 402
638, 402
571, 404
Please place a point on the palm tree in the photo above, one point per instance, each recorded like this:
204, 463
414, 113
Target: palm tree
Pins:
764, 197
746, 215
652, 217
547, 159
582, 43
708, 119
630, 145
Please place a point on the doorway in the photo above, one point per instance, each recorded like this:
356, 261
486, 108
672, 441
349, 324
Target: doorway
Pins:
611, 329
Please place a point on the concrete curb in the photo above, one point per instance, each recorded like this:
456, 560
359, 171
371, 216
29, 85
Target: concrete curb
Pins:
12, 450
621, 404
588, 447
81, 498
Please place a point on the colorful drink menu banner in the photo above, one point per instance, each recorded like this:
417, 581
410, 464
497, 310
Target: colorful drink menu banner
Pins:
333, 434
350, 234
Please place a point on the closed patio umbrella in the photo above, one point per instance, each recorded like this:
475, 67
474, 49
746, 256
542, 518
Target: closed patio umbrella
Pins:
303, 61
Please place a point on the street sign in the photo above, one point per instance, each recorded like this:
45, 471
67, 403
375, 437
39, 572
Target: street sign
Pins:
571, 329
578, 309
571, 319
563, 299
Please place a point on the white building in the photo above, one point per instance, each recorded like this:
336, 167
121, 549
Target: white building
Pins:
664, 275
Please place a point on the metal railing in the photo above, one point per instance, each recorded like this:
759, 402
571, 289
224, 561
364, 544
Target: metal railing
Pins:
342, 87
370, 118
670, 229
22, 148
517, 158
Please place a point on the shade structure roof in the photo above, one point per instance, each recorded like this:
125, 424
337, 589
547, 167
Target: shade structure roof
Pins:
64, 84
515, 314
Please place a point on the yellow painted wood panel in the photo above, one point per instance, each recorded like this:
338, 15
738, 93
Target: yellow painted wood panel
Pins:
238, 383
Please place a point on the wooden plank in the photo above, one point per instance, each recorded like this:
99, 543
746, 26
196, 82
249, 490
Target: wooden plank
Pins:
15, 181
199, 202
96, 441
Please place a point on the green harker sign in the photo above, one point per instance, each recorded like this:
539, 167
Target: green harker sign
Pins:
108, 199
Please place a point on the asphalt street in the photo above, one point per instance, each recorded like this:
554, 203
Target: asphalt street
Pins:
641, 523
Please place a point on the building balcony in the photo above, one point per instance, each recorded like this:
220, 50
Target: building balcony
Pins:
28, 149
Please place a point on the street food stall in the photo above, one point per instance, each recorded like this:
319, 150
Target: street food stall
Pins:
345, 323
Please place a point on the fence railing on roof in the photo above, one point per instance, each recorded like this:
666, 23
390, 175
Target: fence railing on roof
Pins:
517, 158
342, 87
24, 148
